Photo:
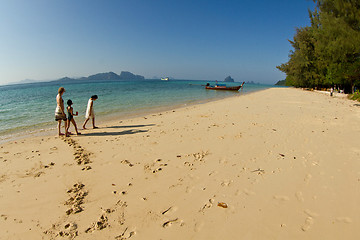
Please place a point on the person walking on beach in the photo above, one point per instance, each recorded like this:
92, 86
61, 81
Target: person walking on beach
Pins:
70, 117
59, 111
90, 111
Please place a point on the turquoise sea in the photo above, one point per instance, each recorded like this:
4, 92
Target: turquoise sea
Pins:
29, 108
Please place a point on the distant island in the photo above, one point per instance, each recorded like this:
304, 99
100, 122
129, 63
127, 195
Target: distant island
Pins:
252, 82
111, 76
229, 79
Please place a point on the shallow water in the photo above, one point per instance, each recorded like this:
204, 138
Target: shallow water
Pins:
30, 107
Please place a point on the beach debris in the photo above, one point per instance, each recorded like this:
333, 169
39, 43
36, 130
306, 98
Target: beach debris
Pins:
168, 223
259, 171
222, 204
282, 155
166, 211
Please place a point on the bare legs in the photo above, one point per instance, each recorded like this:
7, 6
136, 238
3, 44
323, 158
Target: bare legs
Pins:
86, 120
74, 123
59, 128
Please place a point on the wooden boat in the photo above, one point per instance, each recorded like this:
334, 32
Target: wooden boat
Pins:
235, 88
223, 87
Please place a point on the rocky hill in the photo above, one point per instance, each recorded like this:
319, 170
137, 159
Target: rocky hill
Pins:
105, 76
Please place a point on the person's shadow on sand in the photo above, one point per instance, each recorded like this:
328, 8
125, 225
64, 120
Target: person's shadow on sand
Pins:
126, 132
132, 126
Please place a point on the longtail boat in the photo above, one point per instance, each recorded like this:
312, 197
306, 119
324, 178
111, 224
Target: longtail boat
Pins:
223, 87
235, 88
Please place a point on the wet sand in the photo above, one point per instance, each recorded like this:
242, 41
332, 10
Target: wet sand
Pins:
276, 164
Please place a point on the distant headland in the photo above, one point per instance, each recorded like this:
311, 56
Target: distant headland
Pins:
111, 76
229, 79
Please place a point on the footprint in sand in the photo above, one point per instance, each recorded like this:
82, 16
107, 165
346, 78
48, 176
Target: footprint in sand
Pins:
226, 183
155, 167
70, 231
309, 221
307, 178
125, 235
127, 162
200, 155
189, 189
281, 198
207, 205
213, 173
82, 157
103, 221
299, 196
198, 226
310, 213
344, 219
100, 224
248, 192
77, 196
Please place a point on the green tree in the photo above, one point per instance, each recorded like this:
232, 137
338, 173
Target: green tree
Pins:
327, 52
338, 41
301, 69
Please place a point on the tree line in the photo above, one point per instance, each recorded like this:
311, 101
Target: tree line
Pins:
327, 53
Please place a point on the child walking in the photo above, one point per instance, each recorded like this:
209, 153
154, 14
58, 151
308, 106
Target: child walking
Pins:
70, 117
90, 111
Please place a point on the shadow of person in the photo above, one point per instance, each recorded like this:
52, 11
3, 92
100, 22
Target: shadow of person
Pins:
127, 132
132, 126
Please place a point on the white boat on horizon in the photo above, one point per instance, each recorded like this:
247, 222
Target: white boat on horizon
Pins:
165, 79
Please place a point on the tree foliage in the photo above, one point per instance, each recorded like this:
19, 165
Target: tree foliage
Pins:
327, 53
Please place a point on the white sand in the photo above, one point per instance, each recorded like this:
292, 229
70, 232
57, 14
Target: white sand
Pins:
285, 162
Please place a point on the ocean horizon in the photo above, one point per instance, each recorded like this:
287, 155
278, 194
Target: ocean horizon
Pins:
29, 108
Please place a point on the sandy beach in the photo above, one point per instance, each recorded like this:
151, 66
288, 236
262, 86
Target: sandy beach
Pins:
280, 163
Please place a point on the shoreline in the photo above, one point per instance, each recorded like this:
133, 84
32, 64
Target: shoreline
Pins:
47, 131
280, 163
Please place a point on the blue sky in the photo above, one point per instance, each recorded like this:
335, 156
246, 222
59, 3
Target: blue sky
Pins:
195, 39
